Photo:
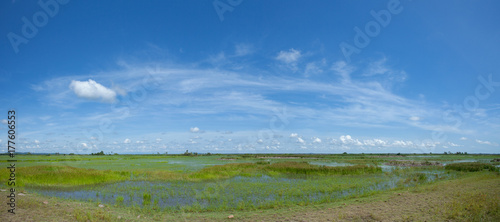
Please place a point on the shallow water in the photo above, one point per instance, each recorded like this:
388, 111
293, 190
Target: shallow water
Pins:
385, 168
425, 156
459, 161
257, 191
332, 164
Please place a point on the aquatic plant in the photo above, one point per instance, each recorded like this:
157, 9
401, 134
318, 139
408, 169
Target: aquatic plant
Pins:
146, 198
119, 199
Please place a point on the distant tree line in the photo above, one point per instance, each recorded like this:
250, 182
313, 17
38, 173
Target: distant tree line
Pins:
99, 153
457, 153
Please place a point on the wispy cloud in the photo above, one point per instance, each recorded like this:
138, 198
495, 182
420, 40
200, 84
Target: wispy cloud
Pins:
218, 91
243, 49
290, 56
181, 92
486, 142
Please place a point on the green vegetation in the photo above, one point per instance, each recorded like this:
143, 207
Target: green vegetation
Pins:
306, 168
62, 176
470, 167
211, 185
119, 199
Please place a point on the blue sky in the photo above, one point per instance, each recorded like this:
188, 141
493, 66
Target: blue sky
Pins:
251, 76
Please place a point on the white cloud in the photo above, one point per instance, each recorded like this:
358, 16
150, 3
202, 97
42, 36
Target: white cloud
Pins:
158, 140
313, 68
380, 68
218, 59
300, 140
376, 68
345, 138
453, 144
45, 118
348, 140
290, 56
243, 49
84, 145
126, 141
194, 129
374, 142
317, 140
294, 135
343, 70
4, 121
463, 138
402, 143
414, 118
486, 142
92, 90
37, 142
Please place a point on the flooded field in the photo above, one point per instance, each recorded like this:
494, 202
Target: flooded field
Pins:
239, 191
221, 183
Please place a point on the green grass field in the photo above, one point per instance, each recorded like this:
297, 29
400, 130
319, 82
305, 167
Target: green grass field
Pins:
253, 187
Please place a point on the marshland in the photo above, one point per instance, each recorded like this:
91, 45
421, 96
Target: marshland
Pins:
254, 186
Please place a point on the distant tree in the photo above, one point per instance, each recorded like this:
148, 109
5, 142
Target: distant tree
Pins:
99, 153
71, 154
344, 153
